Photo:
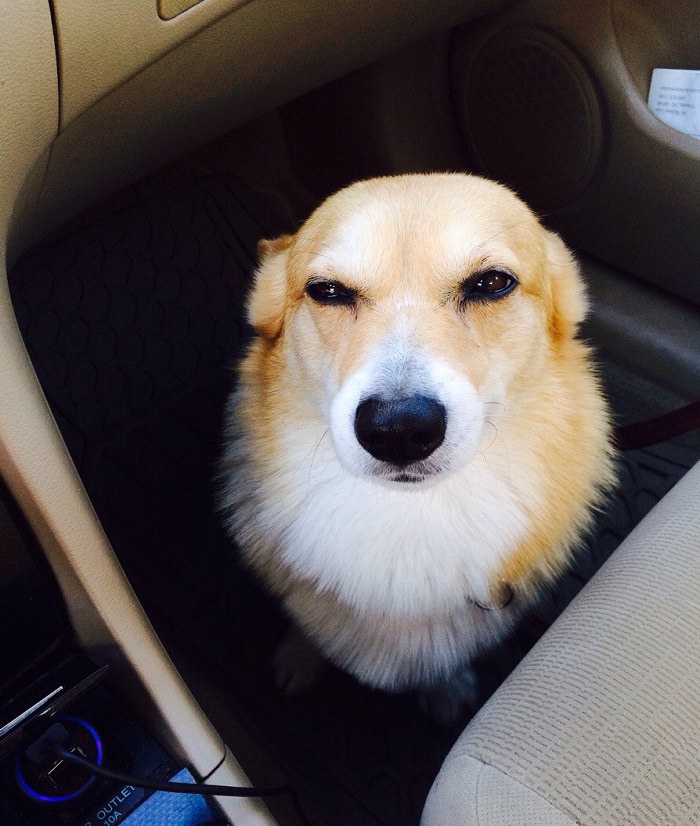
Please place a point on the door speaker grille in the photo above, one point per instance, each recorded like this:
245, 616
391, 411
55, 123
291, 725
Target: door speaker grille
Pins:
529, 113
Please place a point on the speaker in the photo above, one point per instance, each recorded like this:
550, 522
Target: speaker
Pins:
528, 112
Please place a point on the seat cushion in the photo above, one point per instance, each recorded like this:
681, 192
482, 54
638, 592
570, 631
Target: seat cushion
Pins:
600, 723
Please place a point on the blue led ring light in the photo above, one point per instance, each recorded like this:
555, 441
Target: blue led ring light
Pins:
62, 798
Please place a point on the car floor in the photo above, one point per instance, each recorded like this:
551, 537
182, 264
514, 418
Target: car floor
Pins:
133, 317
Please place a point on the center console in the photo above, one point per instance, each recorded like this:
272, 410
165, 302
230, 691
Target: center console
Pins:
54, 696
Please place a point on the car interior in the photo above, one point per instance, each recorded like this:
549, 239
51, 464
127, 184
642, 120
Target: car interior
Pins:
145, 148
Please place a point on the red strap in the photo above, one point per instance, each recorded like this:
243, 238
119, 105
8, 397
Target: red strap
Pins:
658, 429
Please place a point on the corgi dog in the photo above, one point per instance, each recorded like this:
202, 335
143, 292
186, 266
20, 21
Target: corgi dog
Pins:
417, 439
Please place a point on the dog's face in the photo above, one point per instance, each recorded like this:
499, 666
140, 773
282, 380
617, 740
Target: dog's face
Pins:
412, 312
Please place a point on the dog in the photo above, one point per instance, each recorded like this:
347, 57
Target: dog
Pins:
418, 440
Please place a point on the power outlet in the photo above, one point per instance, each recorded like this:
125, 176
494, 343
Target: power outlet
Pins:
45, 776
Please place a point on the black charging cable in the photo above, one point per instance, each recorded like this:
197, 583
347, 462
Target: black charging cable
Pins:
203, 789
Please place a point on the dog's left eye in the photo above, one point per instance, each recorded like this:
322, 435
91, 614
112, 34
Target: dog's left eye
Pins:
330, 292
488, 284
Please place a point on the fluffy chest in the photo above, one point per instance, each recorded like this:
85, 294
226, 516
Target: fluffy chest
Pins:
401, 550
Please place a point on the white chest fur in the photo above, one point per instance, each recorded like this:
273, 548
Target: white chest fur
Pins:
383, 577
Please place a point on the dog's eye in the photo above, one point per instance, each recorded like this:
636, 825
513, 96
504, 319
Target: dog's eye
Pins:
330, 292
488, 284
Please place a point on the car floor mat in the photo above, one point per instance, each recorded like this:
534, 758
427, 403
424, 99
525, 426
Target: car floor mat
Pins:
132, 321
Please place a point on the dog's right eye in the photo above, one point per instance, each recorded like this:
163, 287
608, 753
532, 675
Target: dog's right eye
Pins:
487, 285
330, 292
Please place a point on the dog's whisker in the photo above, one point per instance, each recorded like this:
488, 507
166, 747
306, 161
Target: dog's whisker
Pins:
494, 434
313, 459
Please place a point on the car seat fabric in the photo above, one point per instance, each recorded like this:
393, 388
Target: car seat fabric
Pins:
600, 723
470, 791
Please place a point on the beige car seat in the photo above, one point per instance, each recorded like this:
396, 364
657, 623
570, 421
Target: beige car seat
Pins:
600, 723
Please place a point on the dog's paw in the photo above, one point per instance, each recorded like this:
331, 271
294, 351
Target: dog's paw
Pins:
296, 664
448, 701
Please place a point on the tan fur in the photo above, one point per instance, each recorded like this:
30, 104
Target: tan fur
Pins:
405, 245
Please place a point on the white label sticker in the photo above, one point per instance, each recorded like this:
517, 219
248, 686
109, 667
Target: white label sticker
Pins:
674, 97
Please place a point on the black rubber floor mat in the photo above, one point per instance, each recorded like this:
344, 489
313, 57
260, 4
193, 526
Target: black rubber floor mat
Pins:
131, 322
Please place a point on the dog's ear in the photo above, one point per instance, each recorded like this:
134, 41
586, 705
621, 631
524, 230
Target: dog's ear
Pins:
569, 303
268, 298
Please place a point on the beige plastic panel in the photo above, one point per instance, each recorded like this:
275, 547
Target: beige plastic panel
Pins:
263, 54
104, 44
241, 811
642, 210
167, 9
656, 33
28, 100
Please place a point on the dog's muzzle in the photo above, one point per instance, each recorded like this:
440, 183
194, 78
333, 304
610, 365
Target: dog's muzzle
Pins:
400, 431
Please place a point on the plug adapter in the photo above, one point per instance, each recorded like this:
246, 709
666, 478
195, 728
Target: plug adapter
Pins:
44, 775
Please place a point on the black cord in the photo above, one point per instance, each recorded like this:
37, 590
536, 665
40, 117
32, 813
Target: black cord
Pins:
204, 789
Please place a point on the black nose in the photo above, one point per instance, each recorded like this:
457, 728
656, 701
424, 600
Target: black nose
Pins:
400, 431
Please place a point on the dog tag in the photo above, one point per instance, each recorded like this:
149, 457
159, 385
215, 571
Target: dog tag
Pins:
674, 97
